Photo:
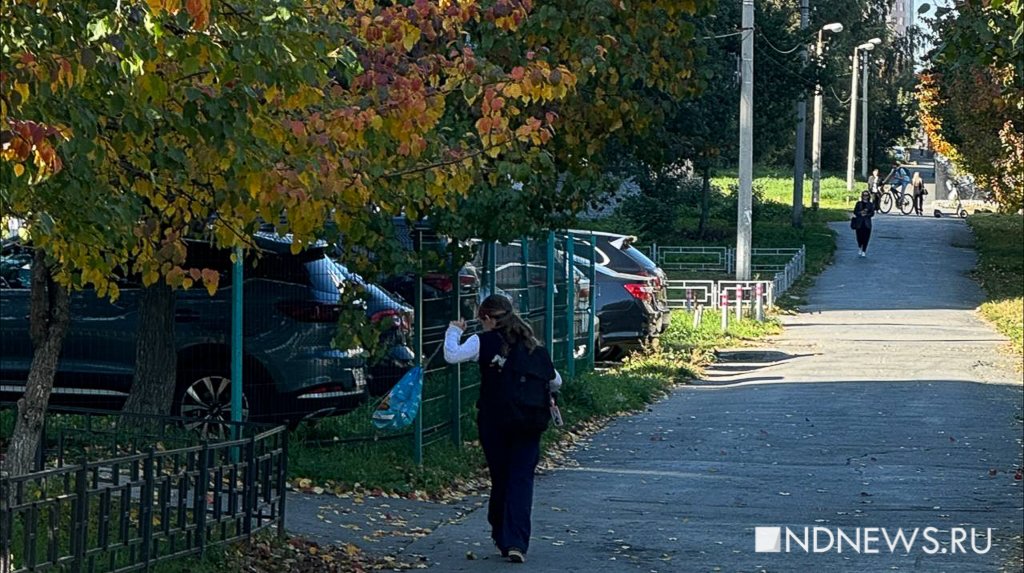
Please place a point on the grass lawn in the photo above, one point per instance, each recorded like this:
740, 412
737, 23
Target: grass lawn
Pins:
1000, 245
773, 226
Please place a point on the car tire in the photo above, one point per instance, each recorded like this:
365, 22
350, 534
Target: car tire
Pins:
204, 395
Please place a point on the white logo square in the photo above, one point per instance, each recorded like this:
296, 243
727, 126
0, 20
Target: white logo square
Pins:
768, 539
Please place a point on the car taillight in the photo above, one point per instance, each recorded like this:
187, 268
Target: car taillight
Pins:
438, 281
639, 291
468, 281
309, 311
397, 318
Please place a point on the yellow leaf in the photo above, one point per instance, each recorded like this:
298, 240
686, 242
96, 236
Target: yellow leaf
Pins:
351, 549
19, 169
254, 185
412, 35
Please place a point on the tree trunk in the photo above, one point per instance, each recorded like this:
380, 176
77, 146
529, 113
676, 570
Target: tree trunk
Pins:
49, 319
705, 202
156, 362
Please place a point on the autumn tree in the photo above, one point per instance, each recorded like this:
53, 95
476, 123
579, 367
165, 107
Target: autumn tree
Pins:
973, 94
130, 127
628, 60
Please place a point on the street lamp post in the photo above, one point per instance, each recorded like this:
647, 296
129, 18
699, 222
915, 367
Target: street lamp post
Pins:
864, 118
835, 28
850, 154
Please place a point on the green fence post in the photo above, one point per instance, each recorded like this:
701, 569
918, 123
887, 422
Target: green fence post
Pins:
455, 370
570, 308
592, 319
549, 295
417, 441
237, 273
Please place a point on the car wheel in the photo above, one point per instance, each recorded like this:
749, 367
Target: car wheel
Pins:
203, 398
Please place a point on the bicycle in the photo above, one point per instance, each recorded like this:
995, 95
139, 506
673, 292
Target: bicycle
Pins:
894, 196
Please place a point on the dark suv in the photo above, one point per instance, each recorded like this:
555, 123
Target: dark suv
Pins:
290, 317
525, 286
631, 293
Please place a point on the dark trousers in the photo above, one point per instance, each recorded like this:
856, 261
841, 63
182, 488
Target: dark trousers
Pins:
511, 460
863, 236
919, 204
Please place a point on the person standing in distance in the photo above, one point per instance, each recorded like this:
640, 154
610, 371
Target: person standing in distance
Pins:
917, 187
875, 188
863, 211
511, 454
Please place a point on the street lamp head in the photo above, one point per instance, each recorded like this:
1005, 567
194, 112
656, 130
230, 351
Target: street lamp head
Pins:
875, 41
834, 27
867, 47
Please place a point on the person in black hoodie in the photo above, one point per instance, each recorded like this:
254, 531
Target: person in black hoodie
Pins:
511, 454
863, 211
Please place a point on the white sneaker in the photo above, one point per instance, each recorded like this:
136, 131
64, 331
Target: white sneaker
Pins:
860, 253
863, 254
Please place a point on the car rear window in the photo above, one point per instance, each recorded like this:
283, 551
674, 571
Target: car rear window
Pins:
618, 260
640, 258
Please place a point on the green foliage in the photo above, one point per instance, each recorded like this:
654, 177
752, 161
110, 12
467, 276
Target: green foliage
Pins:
973, 94
1000, 245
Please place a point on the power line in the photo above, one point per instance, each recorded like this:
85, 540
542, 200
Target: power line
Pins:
805, 81
772, 46
839, 99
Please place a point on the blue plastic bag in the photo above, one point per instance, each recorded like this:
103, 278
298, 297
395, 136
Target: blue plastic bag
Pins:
401, 405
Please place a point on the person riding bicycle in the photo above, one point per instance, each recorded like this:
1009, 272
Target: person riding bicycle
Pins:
899, 177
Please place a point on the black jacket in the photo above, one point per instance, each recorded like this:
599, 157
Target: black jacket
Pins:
863, 221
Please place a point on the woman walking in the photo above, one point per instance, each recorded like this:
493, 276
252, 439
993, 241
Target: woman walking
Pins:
512, 453
863, 211
917, 184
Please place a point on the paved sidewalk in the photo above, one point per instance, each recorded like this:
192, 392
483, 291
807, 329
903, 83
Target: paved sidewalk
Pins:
884, 404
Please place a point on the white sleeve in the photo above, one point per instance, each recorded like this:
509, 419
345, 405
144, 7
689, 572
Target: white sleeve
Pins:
455, 352
556, 383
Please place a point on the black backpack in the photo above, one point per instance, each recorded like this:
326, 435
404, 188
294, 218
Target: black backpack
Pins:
525, 379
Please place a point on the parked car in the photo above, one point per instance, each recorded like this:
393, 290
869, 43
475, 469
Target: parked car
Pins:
291, 371
439, 288
525, 285
631, 293
395, 318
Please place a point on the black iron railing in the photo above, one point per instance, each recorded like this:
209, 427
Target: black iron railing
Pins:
131, 510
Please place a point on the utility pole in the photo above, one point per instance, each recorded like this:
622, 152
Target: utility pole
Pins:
864, 119
801, 135
853, 122
744, 213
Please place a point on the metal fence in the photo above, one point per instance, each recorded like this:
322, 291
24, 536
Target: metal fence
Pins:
534, 273
272, 325
784, 265
100, 501
721, 260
